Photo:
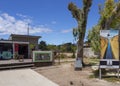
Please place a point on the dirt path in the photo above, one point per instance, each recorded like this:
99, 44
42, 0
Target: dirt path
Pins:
64, 75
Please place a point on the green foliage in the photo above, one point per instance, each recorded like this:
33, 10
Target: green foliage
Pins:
109, 14
75, 11
73, 56
106, 12
94, 38
43, 45
109, 18
112, 79
32, 46
96, 73
81, 16
67, 47
62, 56
16, 56
51, 47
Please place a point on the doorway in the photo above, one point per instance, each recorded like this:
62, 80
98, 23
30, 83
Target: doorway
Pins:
6, 51
23, 50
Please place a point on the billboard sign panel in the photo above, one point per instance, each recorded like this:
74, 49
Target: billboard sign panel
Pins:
42, 56
109, 44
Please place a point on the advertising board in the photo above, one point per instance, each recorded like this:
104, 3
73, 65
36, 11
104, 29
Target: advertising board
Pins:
109, 47
42, 56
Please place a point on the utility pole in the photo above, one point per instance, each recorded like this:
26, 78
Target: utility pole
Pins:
28, 41
28, 30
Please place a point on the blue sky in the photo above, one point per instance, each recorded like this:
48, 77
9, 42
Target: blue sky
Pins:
47, 18
112, 33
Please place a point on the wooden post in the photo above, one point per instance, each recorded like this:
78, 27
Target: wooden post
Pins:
59, 58
119, 52
100, 73
13, 49
118, 72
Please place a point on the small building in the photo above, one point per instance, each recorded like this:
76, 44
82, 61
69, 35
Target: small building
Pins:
18, 45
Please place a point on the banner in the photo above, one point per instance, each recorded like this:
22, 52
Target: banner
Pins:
16, 47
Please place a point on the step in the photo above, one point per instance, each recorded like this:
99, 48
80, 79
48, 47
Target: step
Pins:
16, 66
13, 64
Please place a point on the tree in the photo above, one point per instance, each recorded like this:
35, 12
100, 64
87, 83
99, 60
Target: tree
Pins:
94, 38
51, 47
81, 17
43, 45
67, 47
109, 19
110, 15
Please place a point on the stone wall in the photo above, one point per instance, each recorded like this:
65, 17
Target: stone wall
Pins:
88, 52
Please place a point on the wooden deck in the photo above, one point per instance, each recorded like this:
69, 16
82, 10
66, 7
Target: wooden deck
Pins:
13, 64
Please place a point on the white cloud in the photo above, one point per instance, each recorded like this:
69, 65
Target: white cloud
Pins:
21, 15
66, 31
40, 30
53, 22
11, 25
8, 18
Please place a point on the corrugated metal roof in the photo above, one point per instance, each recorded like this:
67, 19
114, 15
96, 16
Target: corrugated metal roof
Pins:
18, 35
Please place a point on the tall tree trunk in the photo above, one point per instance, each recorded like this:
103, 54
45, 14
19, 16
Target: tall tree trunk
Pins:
80, 50
81, 17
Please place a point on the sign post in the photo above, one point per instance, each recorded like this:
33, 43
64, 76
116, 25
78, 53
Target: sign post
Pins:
119, 54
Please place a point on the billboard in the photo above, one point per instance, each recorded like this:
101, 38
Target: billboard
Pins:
42, 56
109, 44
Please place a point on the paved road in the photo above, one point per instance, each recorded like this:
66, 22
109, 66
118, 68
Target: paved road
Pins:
23, 77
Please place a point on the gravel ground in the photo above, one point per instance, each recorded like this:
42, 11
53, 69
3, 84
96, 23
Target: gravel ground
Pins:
65, 75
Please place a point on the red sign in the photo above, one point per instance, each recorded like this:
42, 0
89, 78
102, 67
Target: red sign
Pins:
16, 47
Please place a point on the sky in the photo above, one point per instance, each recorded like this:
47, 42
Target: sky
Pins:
50, 19
112, 33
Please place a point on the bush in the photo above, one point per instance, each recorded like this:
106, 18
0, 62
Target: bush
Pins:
73, 56
63, 56
96, 73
